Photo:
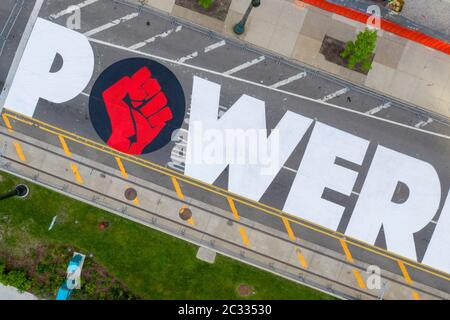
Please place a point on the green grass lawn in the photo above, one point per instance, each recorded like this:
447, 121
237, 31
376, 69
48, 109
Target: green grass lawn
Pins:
151, 264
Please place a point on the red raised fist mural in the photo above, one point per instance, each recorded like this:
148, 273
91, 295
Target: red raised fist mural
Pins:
135, 106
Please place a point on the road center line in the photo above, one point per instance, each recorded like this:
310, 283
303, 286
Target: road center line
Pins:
111, 24
379, 108
289, 80
245, 65
153, 39
335, 94
70, 8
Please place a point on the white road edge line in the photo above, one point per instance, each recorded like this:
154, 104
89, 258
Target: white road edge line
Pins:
379, 108
107, 44
244, 65
205, 50
152, 39
289, 80
111, 24
335, 94
70, 8
422, 123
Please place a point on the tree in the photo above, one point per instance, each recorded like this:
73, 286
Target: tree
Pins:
205, 3
361, 50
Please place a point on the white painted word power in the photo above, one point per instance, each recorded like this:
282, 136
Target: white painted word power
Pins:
36, 80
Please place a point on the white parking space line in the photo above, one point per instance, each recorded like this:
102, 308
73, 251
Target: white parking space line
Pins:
335, 94
289, 80
70, 8
188, 57
245, 65
205, 50
214, 46
379, 108
422, 123
111, 24
152, 39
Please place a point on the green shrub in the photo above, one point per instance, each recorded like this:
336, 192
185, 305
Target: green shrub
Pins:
15, 278
361, 50
205, 3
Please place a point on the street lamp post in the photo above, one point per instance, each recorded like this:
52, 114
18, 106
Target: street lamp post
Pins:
239, 28
21, 191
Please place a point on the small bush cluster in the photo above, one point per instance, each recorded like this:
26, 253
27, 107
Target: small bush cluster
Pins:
15, 278
205, 3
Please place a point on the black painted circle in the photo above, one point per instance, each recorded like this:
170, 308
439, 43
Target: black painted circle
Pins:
126, 68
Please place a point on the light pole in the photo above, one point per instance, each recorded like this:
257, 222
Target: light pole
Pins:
21, 191
239, 28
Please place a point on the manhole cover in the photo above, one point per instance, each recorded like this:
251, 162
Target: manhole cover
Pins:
185, 214
130, 194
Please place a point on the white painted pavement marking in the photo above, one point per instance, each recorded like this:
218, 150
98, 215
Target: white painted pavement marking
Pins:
70, 8
245, 65
379, 108
19, 52
188, 57
214, 46
289, 80
205, 50
52, 223
111, 24
115, 46
289, 169
152, 39
422, 123
335, 94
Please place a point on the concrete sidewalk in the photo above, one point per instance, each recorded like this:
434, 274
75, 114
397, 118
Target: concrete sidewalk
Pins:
402, 69
11, 293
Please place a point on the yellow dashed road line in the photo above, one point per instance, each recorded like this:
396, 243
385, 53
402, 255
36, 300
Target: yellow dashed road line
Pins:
76, 173
288, 229
7, 123
301, 259
233, 208
415, 295
19, 151
359, 279
404, 272
348, 255
121, 167
244, 236
177, 187
191, 221
64, 146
